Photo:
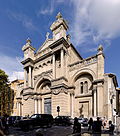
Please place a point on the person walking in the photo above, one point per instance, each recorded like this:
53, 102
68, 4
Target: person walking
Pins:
111, 127
76, 126
90, 123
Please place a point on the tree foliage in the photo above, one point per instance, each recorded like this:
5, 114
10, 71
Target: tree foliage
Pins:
4, 93
3, 78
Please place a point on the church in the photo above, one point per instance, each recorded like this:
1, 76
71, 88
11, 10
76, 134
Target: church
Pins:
57, 75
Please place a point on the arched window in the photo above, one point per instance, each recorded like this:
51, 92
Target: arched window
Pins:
86, 87
81, 87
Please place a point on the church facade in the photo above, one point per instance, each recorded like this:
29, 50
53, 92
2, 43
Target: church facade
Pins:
57, 75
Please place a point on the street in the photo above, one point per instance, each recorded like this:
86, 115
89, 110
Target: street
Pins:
54, 131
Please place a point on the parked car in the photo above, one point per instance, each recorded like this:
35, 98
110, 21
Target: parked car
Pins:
13, 119
63, 120
41, 120
83, 121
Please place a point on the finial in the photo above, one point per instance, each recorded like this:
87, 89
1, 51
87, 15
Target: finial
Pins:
28, 40
59, 16
47, 35
100, 49
68, 37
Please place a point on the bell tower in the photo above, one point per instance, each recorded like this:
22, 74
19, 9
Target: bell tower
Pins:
59, 27
28, 63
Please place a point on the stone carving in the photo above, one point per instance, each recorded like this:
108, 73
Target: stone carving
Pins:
47, 35
59, 90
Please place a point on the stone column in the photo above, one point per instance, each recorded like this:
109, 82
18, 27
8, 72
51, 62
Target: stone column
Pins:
35, 106
25, 74
19, 108
42, 103
72, 104
62, 62
100, 99
39, 106
95, 102
54, 67
30, 76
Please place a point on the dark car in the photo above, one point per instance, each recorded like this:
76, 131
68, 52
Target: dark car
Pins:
63, 120
41, 120
13, 119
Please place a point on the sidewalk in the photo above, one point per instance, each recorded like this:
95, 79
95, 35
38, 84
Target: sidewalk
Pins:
85, 132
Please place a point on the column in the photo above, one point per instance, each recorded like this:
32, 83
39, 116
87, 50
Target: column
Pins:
54, 67
30, 76
95, 102
35, 106
100, 99
72, 108
19, 109
25, 77
42, 105
62, 62
39, 106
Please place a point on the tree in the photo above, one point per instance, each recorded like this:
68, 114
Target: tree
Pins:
4, 93
3, 78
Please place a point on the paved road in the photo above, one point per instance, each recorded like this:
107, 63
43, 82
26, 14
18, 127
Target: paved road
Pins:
54, 131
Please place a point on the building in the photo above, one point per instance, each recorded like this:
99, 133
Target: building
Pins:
14, 86
57, 75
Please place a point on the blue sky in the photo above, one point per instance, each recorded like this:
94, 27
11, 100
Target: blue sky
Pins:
91, 22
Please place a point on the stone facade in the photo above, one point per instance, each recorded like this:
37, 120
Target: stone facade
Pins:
16, 103
57, 75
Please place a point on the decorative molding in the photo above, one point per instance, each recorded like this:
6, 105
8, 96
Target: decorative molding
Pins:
84, 95
42, 75
59, 90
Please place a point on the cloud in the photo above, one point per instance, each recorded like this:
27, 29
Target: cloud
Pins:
11, 66
25, 20
50, 8
95, 21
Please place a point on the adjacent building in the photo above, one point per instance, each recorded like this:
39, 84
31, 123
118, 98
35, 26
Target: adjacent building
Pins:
57, 75
14, 86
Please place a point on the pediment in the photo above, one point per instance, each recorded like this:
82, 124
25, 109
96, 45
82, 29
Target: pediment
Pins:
45, 44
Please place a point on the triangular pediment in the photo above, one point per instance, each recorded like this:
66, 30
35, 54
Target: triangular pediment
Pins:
45, 44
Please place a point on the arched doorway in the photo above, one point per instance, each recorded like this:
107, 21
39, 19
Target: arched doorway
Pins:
44, 91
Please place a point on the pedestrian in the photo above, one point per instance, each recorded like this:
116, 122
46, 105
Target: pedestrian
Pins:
90, 123
104, 123
76, 126
97, 125
111, 127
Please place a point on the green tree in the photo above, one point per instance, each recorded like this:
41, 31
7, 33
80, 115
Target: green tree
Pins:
4, 92
3, 78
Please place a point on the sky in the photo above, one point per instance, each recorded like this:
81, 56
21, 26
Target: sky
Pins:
91, 23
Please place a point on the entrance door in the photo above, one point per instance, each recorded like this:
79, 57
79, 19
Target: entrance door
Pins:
47, 105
